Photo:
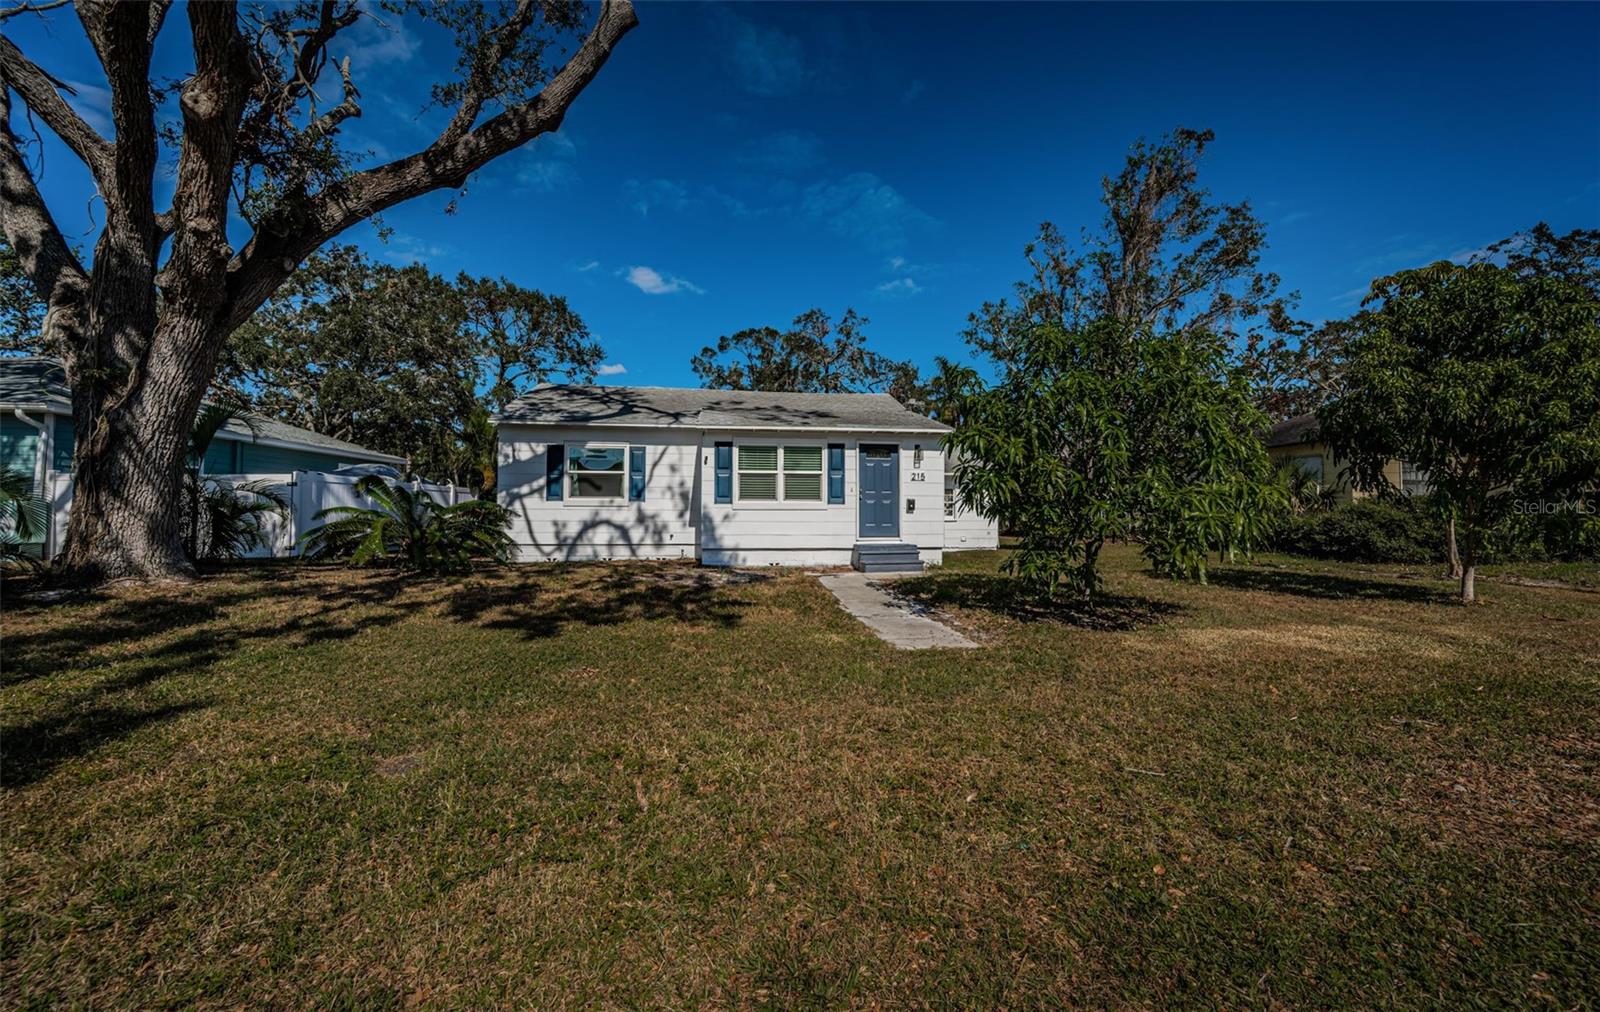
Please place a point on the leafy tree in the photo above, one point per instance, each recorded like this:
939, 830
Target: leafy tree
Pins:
1166, 257
401, 360
815, 355
1487, 380
1098, 434
21, 312
523, 337
407, 528
1296, 367
223, 519
256, 142
24, 515
1541, 253
949, 389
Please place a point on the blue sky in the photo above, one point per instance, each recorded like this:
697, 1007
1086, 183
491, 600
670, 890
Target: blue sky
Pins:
733, 166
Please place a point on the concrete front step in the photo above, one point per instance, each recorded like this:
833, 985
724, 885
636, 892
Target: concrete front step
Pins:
886, 557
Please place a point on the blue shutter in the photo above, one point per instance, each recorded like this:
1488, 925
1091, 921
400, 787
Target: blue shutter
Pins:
555, 470
836, 472
636, 473
724, 472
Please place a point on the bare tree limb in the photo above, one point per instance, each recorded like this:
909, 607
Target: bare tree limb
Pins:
42, 93
122, 38
27, 8
281, 243
46, 258
330, 120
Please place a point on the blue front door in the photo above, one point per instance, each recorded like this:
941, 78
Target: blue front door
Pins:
880, 491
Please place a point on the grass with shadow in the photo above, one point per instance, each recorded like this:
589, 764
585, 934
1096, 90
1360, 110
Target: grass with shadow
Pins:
653, 785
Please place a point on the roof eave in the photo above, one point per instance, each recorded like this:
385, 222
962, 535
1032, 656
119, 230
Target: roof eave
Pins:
935, 430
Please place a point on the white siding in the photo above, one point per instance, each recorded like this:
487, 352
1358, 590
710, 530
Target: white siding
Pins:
742, 534
967, 530
661, 527
679, 517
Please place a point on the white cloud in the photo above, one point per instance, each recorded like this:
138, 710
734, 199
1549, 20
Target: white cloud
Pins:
784, 151
586, 268
767, 61
378, 39
93, 103
653, 282
610, 369
865, 208
900, 286
548, 166
646, 195
404, 249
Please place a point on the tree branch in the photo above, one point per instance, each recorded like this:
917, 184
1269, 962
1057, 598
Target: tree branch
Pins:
478, 85
282, 242
30, 8
330, 120
58, 278
42, 93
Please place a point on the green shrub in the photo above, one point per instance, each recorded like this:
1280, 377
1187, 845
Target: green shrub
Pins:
1367, 530
1571, 534
408, 529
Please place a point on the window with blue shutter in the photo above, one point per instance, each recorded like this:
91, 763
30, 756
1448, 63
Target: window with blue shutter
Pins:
555, 463
724, 472
836, 472
636, 473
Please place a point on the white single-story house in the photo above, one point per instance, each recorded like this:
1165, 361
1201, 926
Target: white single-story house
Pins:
36, 438
730, 478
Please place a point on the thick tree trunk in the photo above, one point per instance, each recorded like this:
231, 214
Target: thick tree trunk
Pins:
1469, 584
133, 437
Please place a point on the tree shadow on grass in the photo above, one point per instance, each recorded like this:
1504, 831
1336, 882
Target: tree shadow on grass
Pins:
87, 639
1009, 598
203, 611
142, 638
30, 751
541, 604
1327, 586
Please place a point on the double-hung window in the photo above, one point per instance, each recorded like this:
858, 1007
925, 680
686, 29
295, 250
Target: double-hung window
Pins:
597, 472
1413, 479
770, 473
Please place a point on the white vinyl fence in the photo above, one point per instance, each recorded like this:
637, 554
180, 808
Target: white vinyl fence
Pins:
308, 493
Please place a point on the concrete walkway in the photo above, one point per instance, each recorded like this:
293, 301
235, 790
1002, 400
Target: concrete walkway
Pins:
894, 621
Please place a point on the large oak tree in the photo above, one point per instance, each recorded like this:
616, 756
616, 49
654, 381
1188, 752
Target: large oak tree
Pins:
140, 326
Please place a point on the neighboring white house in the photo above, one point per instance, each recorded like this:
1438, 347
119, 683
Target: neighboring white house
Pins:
731, 478
36, 438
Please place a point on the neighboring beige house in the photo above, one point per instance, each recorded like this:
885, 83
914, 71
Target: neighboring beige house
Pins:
1296, 441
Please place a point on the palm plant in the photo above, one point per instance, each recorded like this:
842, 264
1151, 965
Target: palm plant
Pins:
406, 527
23, 516
1307, 494
223, 519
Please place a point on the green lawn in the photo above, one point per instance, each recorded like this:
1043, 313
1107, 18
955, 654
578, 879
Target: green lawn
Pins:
651, 785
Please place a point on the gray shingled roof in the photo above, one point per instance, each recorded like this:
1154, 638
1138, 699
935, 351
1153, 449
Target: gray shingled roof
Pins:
1291, 431
42, 381
666, 407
